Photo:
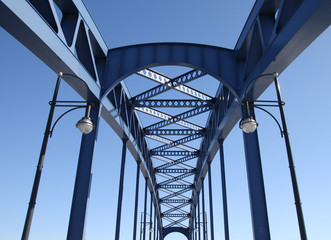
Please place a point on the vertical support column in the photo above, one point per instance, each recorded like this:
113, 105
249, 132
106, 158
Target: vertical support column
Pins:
150, 218
203, 210
211, 203
199, 222
145, 208
154, 232
224, 195
195, 224
136, 203
83, 180
120, 192
158, 232
256, 186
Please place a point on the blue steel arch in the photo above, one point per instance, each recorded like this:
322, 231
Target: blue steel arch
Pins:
218, 62
181, 230
268, 43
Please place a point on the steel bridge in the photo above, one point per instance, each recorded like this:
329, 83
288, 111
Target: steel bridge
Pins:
172, 148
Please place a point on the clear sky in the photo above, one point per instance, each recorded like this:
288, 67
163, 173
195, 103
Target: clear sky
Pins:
27, 87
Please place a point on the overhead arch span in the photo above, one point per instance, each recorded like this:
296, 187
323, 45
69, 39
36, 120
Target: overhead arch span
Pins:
125, 61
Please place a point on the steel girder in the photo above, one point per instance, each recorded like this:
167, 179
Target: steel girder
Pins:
275, 33
215, 61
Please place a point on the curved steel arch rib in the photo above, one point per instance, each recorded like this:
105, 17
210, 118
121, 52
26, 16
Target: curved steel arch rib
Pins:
275, 33
214, 61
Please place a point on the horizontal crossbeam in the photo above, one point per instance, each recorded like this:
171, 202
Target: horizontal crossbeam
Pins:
174, 153
172, 215
176, 201
175, 186
177, 170
176, 103
173, 132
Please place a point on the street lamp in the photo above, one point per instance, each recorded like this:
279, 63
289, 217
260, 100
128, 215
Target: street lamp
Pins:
85, 126
249, 125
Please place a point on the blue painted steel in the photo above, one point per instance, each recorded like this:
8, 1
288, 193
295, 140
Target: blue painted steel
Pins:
150, 218
224, 195
83, 180
154, 227
211, 211
204, 220
136, 203
268, 43
145, 209
257, 197
120, 193
199, 230
33, 197
215, 61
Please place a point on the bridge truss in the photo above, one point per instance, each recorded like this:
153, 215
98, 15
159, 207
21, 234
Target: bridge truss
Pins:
172, 147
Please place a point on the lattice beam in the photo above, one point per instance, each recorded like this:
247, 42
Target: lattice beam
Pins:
178, 119
175, 201
168, 118
177, 142
174, 153
159, 132
175, 162
172, 103
172, 170
176, 84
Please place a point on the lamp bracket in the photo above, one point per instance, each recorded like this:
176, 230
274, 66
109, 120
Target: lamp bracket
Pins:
73, 104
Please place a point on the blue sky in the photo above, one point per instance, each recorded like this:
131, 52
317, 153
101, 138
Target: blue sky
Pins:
27, 86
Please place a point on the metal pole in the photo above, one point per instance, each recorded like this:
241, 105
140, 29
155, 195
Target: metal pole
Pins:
136, 204
295, 187
145, 206
203, 210
195, 225
211, 204
150, 218
120, 192
206, 226
157, 234
224, 196
33, 197
154, 223
199, 223
141, 222
256, 186
83, 180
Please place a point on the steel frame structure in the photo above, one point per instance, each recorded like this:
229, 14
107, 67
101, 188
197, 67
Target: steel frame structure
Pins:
275, 33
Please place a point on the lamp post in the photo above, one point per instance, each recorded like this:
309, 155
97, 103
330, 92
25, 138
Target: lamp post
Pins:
85, 126
151, 229
249, 125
